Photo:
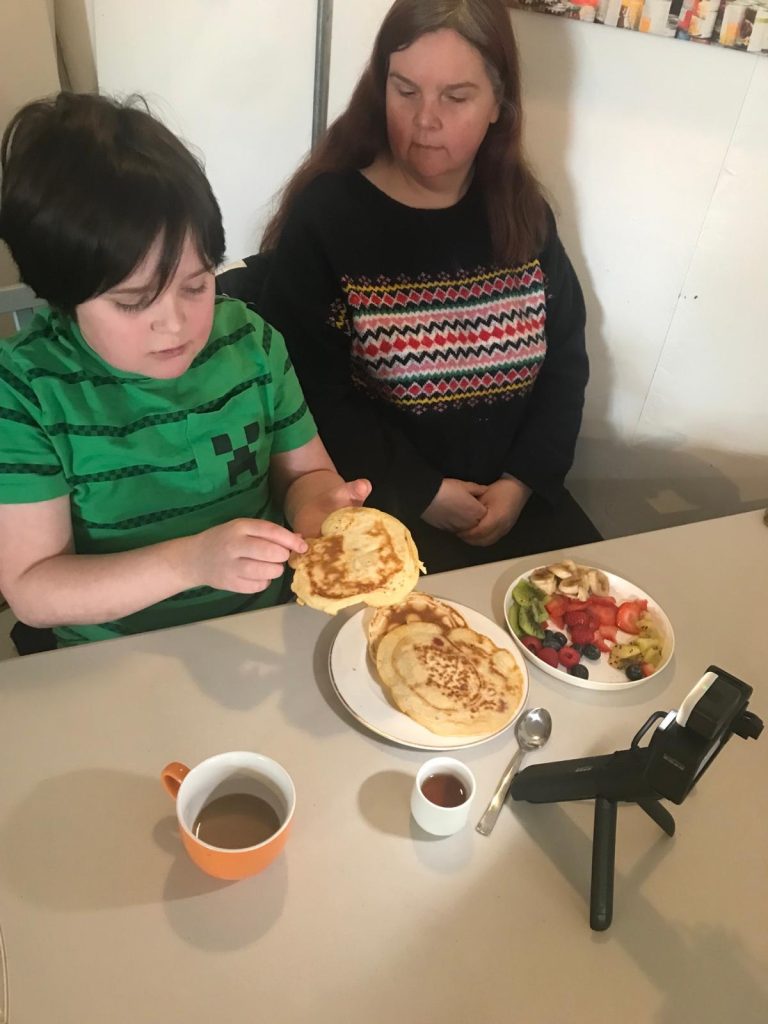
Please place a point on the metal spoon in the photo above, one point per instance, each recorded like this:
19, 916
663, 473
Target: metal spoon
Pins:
532, 731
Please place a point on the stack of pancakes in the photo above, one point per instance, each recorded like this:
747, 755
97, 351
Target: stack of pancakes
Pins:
439, 672
434, 668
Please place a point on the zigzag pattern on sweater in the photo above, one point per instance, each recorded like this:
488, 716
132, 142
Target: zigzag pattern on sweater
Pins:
434, 343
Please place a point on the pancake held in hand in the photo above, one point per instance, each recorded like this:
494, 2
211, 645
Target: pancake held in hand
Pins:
417, 607
454, 684
362, 554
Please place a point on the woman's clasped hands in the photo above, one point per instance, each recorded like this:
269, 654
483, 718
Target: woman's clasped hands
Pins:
478, 514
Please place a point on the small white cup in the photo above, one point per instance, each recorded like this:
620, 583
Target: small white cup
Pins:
433, 818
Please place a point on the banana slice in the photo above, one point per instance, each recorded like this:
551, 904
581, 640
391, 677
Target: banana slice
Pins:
570, 579
570, 586
545, 581
562, 569
597, 582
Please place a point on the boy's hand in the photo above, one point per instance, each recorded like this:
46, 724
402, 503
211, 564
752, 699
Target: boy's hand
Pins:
243, 556
310, 516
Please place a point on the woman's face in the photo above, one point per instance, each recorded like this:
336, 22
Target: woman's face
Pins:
440, 103
153, 337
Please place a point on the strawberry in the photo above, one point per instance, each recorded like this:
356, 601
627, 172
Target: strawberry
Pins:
605, 614
628, 614
607, 600
582, 635
648, 670
569, 657
556, 607
548, 655
607, 632
576, 618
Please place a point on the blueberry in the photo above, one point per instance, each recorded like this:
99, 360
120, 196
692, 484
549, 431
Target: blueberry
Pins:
591, 652
579, 670
634, 672
554, 640
579, 647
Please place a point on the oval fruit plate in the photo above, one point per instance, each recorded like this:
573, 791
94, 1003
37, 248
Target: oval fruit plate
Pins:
587, 627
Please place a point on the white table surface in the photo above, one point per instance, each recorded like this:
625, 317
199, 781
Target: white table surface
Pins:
364, 918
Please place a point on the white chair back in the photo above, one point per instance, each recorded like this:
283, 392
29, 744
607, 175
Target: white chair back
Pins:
20, 302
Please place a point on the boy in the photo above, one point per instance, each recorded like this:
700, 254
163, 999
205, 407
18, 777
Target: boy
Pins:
153, 437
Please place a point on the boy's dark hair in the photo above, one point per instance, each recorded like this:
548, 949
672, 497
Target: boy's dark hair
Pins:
88, 184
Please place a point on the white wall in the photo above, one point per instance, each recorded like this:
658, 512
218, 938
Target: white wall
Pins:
651, 146
655, 153
28, 63
233, 77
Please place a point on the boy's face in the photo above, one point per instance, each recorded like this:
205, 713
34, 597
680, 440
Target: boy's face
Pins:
155, 339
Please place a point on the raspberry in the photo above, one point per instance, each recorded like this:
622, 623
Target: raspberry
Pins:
569, 657
532, 643
549, 655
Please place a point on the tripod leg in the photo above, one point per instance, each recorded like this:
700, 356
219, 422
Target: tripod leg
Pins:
659, 813
603, 854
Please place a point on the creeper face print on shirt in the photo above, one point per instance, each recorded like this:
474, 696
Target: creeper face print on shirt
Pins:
243, 459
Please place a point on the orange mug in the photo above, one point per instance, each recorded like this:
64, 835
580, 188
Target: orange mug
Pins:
232, 774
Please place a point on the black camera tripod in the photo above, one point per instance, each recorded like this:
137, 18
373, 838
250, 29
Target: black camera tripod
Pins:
676, 757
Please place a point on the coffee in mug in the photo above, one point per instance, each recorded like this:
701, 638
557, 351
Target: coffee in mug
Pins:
234, 811
235, 821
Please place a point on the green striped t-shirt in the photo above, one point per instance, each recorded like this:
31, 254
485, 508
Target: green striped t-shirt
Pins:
147, 460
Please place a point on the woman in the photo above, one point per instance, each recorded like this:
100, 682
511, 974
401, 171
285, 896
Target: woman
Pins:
432, 315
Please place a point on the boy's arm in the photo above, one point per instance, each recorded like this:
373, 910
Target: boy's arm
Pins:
306, 481
46, 584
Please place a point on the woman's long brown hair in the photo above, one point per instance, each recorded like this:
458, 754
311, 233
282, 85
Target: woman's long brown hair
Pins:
516, 208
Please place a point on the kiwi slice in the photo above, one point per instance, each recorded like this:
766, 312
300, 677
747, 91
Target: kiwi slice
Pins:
538, 610
525, 592
621, 653
528, 623
513, 618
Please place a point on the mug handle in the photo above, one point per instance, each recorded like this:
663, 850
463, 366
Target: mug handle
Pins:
172, 777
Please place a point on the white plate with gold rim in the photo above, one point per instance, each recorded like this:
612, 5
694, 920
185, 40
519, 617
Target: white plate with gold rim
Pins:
354, 679
602, 676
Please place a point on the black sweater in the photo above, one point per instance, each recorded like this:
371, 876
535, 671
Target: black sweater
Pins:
419, 356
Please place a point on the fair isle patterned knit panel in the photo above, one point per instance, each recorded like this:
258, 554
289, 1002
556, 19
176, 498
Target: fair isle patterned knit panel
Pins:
438, 341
